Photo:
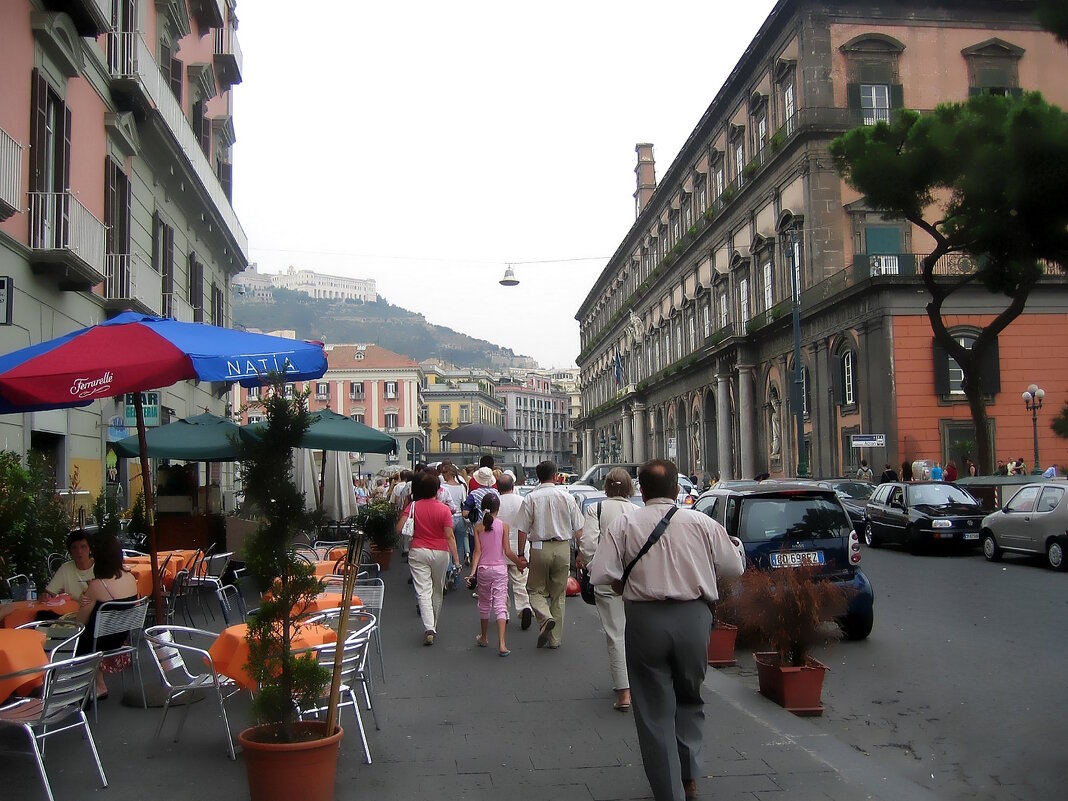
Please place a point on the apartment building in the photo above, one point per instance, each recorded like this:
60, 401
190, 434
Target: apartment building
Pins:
456, 397
328, 287
537, 415
116, 137
687, 348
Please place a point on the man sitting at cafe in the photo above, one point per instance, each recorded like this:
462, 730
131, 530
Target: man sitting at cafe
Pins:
73, 575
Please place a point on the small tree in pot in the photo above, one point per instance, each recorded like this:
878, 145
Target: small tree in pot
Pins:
378, 520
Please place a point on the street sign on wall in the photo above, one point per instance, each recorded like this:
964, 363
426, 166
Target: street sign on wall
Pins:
150, 403
673, 447
867, 440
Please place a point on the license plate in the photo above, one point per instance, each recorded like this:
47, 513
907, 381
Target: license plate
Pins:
971, 535
797, 559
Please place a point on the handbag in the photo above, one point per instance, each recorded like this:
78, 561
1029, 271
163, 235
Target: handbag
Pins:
658, 532
586, 588
408, 531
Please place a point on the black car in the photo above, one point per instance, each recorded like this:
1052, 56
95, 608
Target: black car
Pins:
854, 494
922, 513
783, 525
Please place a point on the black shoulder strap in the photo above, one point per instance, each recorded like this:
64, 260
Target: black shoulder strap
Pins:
649, 543
599, 511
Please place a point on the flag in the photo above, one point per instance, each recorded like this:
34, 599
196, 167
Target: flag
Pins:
619, 370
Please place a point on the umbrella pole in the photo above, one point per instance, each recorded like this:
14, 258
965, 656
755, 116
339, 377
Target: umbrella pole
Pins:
150, 507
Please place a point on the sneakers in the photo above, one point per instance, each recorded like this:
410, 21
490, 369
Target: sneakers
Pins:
544, 630
429, 639
527, 617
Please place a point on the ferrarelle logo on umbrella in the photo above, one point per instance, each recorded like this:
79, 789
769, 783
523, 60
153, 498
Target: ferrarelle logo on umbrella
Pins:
88, 387
253, 366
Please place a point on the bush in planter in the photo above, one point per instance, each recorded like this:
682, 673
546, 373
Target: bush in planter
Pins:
34, 520
378, 520
267, 478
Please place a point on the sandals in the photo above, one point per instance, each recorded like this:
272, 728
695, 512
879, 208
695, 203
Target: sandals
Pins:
621, 707
505, 652
481, 643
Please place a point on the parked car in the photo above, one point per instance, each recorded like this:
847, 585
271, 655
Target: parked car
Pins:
1034, 521
785, 524
688, 493
854, 494
922, 513
595, 475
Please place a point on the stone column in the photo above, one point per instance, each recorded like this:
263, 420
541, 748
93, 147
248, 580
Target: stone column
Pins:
746, 422
628, 434
588, 456
723, 425
640, 435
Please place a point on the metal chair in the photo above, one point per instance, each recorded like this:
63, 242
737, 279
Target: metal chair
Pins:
55, 562
118, 617
19, 584
178, 595
67, 685
130, 553
232, 604
324, 547
209, 575
305, 552
372, 592
169, 656
61, 637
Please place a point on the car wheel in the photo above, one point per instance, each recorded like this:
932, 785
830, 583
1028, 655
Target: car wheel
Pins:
1055, 555
857, 626
990, 547
869, 537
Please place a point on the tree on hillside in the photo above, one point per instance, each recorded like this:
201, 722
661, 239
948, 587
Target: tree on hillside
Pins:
1053, 16
985, 179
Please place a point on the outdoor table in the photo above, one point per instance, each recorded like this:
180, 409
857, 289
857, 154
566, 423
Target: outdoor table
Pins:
326, 601
179, 559
143, 574
324, 567
338, 552
20, 649
16, 613
230, 651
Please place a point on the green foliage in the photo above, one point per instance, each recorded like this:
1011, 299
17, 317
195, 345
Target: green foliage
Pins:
138, 516
106, 514
378, 520
1053, 16
33, 520
1060, 423
267, 478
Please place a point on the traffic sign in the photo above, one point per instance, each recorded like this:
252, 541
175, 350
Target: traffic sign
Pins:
414, 446
867, 440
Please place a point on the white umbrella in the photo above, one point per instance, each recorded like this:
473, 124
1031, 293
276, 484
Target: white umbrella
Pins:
339, 499
305, 477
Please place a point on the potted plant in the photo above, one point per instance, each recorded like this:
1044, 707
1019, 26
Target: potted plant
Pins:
281, 749
34, 520
785, 609
378, 520
724, 634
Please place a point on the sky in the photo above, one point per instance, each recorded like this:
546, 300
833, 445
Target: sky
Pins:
429, 145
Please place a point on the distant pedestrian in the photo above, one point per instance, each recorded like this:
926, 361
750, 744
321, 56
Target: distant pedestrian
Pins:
510, 506
889, 475
1050, 472
906, 471
950, 472
667, 594
936, 472
865, 473
970, 468
1002, 469
432, 545
489, 565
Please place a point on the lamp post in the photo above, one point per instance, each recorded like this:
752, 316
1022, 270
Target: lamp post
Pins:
798, 389
604, 447
1032, 398
614, 447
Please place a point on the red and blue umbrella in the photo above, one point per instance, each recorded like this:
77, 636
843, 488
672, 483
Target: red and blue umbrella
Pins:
136, 352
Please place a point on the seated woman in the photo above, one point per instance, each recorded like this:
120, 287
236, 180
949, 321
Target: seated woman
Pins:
111, 583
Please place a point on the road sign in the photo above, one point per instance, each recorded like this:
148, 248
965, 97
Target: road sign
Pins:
867, 440
673, 448
414, 446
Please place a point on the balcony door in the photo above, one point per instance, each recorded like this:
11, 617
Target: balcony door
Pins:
883, 246
122, 44
50, 168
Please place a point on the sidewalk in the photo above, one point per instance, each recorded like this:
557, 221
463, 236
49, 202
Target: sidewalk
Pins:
459, 722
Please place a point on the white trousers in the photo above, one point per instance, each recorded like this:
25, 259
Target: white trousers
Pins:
614, 622
518, 579
428, 577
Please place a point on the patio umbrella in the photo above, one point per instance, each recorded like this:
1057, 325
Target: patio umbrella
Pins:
339, 498
482, 435
330, 431
200, 438
136, 352
304, 476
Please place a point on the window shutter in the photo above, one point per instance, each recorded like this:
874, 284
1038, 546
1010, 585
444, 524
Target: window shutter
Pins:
176, 78
941, 368
226, 178
897, 96
205, 133
853, 95
975, 91
990, 371
109, 204
38, 129
837, 380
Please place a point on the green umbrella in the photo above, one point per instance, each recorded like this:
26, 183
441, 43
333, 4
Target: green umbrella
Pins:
330, 431
200, 438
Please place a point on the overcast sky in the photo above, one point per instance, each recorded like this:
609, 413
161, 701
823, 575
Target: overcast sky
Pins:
427, 145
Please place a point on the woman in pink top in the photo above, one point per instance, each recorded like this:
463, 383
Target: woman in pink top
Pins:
432, 545
489, 565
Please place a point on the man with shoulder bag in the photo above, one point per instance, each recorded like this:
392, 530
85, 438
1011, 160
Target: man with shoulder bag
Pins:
665, 562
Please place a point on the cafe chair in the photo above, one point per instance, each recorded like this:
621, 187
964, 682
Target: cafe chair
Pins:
61, 637
305, 552
232, 604
353, 662
130, 553
67, 685
55, 562
178, 596
118, 617
324, 547
170, 657
19, 584
372, 592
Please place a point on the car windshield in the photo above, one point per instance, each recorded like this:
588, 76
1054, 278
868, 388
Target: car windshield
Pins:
803, 517
939, 495
858, 490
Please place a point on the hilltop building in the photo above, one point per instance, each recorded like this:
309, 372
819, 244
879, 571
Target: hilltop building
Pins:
686, 337
257, 285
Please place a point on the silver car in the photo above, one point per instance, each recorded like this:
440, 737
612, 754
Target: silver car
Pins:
1034, 521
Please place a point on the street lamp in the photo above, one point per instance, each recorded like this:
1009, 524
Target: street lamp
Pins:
1032, 398
604, 447
614, 447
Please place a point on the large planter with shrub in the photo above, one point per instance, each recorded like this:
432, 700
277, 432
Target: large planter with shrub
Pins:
378, 520
721, 640
796, 689
303, 769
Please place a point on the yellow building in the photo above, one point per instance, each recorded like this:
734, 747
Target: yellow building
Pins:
451, 401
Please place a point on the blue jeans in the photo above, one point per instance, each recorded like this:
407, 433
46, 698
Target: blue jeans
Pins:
461, 529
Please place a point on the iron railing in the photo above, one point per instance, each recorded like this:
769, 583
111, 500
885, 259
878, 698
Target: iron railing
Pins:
130, 277
58, 221
10, 174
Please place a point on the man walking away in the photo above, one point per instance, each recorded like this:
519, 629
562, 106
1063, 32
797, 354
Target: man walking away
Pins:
549, 519
509, 512
865, 473
667, 591
889, 475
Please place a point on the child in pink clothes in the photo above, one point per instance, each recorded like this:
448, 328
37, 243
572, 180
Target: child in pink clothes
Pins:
490, 566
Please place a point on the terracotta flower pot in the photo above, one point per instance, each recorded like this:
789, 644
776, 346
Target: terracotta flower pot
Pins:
721, 641
382, 558
286, 771
797, 689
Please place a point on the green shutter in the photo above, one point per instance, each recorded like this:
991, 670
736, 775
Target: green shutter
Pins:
897, 96
941, 368
837, 380
990, 371
853, 95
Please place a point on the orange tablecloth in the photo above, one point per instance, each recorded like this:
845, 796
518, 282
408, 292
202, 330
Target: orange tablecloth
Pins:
338, 552
230, 651
20, 650
16, 613
329, 600
179, 559
143, 574
325, 568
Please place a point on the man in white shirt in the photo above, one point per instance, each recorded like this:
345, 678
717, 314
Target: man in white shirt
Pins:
667, 596
549, 519
508, 513
73, 575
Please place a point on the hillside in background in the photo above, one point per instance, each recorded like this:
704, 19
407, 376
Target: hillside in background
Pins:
381, 323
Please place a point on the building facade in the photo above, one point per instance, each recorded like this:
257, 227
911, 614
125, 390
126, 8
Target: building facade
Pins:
453, 398
116, 135
329, 287
687, 348
537, 415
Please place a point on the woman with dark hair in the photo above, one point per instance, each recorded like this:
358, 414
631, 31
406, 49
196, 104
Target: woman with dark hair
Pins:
490, 567
906, 470
432, 545
110, 583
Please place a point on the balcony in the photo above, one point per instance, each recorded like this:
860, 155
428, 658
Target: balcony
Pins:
138, 84
10, 175
90, 17
177, 307
208, 13
131, 283
229, 60
66, 240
